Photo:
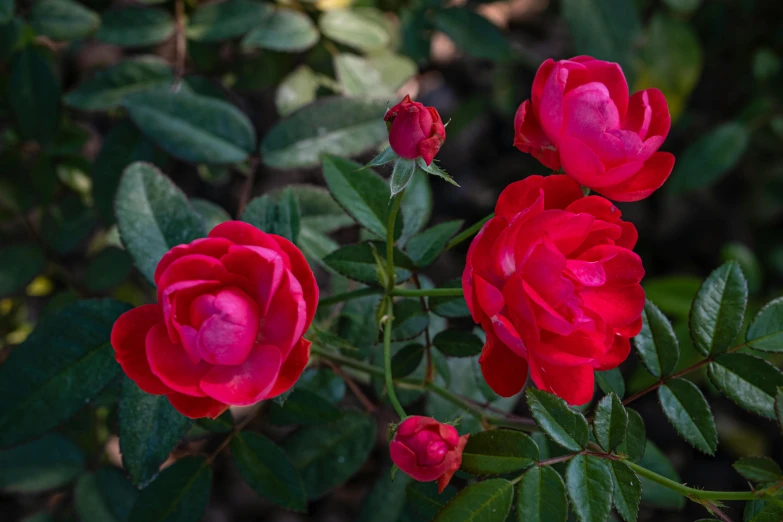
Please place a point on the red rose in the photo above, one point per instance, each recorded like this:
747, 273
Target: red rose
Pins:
579, 116
555, 285
227, 329
427, 450
415, 130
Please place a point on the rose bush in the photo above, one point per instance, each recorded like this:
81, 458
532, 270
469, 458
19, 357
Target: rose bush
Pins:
554, 283
580, 117
427, 450
228, 325
415, 130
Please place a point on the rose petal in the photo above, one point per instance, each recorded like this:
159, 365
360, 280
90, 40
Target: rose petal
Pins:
573, 384
301, 270
621, 348
529, 137
284, 322
262, 267
196, 407
228, 336
128, 338
214, 247
650, 178
292, 368
406, 460
454, 462
618, 305
170, 363
504, 371
241, 233
246, 383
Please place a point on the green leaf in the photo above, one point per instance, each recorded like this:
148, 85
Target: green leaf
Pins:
541, 496
296, 90
748, 381
34, 95
340, 126
226, 20
19, 264
425, 500
748, 261
62, 19
326, 455
719, 309
671, 60
387, 156
281, 218
193, 128
656, 343
46, 463
41, 387
324, 382
771, 513
66, 224
405, 361
107, 269
636, 437
765, 332
387, 499
499, 451
487, 501
10, 35
153, 215
589, 485
627, 490
320, 212
451, 306
303, 407
359, 78
358, 263
362, 193
401, 175
409, 319
564, 426
282, 30
472, 33
654, 493
779, 408
122, 146
149, 429
104, 496
709, 158
759, 469
454, 342
603, 29
211, 214
688, 411
354, 28
611, 422
108, 88
267, 469
179, 494
425, 247
395, 69
611, 381
135, 26
416, 206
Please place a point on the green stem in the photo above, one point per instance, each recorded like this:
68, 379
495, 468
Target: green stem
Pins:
426, 292
694, 493
468, 232
473, 409
347, 296
390, 240
387, 369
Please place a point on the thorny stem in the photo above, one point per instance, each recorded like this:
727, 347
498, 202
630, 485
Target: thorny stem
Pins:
347, 296
468, 232
180, 42
679, 374
388, 304
428, 373
238, 428
426, 292
247, 187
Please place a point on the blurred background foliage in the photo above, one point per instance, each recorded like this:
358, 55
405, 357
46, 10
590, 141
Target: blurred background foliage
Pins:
85, 89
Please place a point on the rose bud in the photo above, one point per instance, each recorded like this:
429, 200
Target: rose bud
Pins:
427, 450
415, 130
554, 283
579, 117
227, 329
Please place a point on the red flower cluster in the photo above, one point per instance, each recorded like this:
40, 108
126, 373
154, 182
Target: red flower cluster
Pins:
415, 130
579, 117
227, 329
427, 450
554, 283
